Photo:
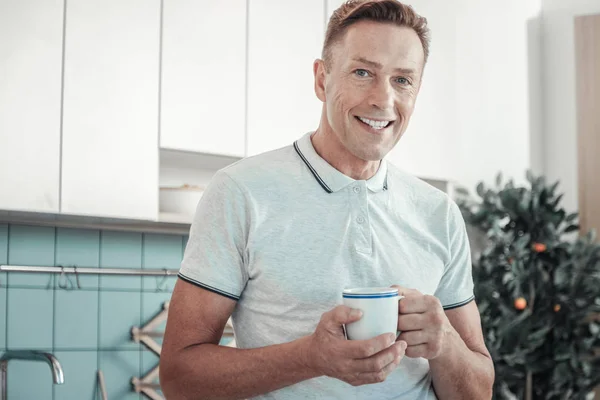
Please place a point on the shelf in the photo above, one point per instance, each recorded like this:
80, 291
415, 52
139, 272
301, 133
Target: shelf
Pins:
169, 224
175, 158
173, 218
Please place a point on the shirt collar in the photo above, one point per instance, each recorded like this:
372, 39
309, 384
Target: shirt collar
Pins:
330, 179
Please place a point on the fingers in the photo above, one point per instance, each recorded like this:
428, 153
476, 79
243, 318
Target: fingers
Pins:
411, 322
402, 291
378, 361
367, 348
413, 338
420, 350
366, 378
418, 304
343, 315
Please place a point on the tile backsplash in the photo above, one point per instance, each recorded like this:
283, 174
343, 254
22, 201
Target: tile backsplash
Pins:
88, 328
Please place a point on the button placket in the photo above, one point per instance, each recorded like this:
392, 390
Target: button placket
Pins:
361, 218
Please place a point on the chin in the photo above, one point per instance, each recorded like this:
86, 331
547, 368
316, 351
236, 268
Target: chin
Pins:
372, 154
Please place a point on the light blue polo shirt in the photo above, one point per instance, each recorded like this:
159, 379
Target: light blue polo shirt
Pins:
283, 233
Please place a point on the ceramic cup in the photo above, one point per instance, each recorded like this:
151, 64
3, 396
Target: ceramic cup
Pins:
379, 306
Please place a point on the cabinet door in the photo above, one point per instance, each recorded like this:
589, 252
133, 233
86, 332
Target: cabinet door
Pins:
30, 95
284, 39
110, 126
203, 85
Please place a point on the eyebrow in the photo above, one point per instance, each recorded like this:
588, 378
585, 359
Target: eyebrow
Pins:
375, 64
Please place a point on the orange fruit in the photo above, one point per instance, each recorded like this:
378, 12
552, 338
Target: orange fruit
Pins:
520, 303
539, 247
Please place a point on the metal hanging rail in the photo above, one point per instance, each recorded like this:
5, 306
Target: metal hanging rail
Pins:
89, 271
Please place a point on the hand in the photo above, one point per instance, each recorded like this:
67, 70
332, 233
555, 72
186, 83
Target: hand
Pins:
356, 362
423, 323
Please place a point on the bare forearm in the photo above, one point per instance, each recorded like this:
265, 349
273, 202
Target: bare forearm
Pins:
462, 373
218, 372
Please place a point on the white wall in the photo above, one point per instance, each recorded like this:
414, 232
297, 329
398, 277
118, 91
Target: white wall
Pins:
560, 124
483, 82
497, 49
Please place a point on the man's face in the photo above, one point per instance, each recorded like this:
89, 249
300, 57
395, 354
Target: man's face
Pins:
371, 87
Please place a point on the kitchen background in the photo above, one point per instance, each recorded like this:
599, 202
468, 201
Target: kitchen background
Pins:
115, 114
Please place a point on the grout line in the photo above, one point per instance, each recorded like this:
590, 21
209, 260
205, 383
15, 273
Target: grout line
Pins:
246, 84
62, 104
101, 234
7, 286
54, 313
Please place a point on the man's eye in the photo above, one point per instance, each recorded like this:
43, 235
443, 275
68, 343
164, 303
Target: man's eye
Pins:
362, 73
403, 81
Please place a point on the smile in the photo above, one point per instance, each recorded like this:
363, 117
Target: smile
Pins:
375, 124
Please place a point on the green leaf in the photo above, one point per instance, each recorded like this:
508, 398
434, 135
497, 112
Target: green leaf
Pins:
571, 217
461, 191
480, 189
594, 328
499, 179
571, 228
529, 176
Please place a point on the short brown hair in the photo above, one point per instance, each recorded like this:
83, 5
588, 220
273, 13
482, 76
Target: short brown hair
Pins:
386, 11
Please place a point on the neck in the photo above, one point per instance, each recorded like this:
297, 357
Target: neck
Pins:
329, 148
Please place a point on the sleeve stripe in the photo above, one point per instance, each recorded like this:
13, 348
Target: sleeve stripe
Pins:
460, 304
208, 287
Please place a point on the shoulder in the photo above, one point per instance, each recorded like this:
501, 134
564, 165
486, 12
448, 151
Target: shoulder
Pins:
415, 191
259, 170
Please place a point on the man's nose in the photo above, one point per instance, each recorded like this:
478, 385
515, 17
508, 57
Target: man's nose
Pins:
382, 95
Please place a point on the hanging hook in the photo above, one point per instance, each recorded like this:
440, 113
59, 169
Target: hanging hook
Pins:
76, 276
160, 285
63, 280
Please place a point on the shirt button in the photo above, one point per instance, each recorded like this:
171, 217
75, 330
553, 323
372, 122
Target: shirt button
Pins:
356, 189
360, 219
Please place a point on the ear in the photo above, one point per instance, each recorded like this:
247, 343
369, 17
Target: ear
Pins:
319, 74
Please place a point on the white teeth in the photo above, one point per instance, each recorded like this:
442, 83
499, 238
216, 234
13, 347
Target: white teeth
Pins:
375, 124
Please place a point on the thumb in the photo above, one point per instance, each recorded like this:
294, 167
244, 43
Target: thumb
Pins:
402, 291
344, 315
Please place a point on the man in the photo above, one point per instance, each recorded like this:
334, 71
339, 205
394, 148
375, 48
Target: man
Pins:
278, 236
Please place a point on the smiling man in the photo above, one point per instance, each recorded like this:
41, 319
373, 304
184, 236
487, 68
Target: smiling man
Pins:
277, 237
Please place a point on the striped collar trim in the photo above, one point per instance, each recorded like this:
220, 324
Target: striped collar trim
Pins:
329, 178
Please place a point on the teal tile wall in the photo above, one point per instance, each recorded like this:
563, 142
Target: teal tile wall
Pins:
31, 245
3, 251
3, 294
87, 328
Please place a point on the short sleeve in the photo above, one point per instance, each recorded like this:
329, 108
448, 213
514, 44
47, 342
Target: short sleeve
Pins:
456, 286
214, 255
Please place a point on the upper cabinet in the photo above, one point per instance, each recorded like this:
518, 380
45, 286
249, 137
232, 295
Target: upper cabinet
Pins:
111, 102
203, 85
30, 103
284, 38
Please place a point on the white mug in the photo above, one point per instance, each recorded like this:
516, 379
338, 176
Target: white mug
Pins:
379, 306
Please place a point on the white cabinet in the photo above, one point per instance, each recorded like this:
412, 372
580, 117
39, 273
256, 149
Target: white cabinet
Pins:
111, 101
284, 39
30, 97
203, 84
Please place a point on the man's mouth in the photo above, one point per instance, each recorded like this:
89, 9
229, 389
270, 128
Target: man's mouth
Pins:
375, 124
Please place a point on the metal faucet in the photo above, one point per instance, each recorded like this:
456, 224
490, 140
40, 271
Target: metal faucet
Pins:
57, 372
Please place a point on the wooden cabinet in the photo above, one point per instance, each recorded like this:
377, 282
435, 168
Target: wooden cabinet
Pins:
111, 102
587, 53
30, 104
203, 86
284, 38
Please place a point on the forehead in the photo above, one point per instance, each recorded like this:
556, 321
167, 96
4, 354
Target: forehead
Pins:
386, 43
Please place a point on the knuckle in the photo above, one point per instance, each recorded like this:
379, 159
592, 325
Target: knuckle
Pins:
367, 350
380, 376
354, 381
432, 300
378, 364
437, 318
